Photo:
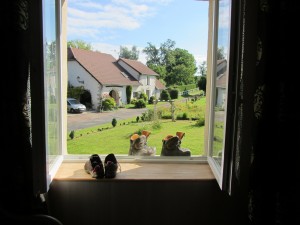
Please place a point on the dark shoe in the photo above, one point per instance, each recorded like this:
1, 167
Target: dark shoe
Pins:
94, 166
111, 166
171, 146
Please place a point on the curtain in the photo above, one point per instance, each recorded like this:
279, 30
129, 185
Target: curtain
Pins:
274, 181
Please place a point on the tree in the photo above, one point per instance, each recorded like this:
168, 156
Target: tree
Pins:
202, 83
128, 93
203, 68
180, 67
156, 57
79, 44
129, 54
174, 65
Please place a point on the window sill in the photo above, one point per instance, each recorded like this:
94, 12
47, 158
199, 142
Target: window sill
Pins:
140, 171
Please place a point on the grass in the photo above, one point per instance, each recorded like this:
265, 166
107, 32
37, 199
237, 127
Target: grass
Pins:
105, 139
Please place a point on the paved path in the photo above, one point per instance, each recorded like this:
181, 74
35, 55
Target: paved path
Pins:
92, 118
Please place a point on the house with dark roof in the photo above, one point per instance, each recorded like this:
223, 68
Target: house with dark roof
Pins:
103, 75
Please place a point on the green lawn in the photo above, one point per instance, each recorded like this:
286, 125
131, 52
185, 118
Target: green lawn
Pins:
105, 139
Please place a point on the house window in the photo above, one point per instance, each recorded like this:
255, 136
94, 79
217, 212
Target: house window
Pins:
219, 38
148, 80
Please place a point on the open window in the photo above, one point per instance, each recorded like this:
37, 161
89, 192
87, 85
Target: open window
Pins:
220, 91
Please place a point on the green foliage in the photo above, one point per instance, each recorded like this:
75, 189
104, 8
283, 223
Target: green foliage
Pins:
114, 122
200, 122
182, 116
75, 92
128, 93
129, 54
151, 100
202, 83
79, 44
173, 93
143, 96
108, 104
148, 115
72, 134
164, 95
137, 119
181, 67
140, 103
156, 125
203, 68
183, 87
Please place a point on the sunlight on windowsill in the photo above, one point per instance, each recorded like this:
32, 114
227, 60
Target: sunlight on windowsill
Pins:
140, 170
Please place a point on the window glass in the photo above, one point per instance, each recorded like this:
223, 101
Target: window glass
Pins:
219, 79
52, 82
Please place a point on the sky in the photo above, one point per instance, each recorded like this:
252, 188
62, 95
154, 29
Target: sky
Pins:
109, 24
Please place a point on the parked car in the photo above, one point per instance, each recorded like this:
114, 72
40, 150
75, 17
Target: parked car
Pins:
74, 106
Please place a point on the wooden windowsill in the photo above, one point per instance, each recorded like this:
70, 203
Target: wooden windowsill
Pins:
140, 171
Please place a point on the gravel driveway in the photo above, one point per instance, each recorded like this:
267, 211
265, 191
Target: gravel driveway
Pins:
93, 118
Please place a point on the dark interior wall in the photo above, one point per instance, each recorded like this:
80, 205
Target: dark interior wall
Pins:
141, 203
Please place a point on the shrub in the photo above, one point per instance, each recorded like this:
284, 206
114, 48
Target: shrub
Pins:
151, 100
108, 104
164, 95
200, 122
72, 134
140, 104
144, 97
173, 93
128, 93
114, 122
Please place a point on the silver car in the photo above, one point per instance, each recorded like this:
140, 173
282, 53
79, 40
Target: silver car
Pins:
74, 106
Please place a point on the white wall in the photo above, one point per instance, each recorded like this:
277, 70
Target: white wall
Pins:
74, 70
133, 72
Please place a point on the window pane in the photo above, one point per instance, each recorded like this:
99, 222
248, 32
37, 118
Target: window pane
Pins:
51, 82
220, 75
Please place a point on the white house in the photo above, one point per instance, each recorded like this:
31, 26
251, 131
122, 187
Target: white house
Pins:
103, 75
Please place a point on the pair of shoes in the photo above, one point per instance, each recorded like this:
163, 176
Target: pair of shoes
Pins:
138, 145
95, 167
171, 146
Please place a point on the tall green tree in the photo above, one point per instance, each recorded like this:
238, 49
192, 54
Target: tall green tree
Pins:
129, 54
79, 44
180, 67
202, 83
156, 57
203, 68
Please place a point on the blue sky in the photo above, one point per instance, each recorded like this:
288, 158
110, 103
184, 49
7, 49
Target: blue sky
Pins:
109, 24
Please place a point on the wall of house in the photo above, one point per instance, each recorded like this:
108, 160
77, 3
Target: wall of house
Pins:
137, 202
74, 70
150, 87
133, 72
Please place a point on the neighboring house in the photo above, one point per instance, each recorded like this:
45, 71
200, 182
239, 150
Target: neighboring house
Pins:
221, 83
103, 76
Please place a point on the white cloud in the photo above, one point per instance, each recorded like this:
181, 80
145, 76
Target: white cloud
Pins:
119, 14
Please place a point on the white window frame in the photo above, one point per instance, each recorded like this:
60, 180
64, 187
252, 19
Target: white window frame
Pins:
41, 144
